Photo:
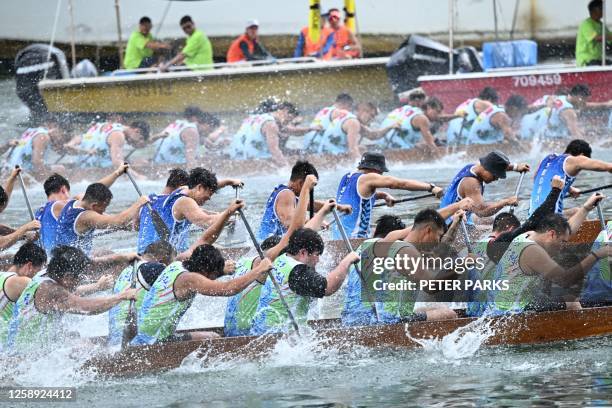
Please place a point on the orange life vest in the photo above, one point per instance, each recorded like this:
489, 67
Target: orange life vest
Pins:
312, 48
235, 54
342, 38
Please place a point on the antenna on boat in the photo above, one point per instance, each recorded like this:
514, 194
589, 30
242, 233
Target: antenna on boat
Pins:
72, 44
120, 42
451, 32
57, 12
603, 33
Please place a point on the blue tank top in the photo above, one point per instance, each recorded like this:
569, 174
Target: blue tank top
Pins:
482, 131
270, 223
356, 224
66, 229
48, 226
552, 165
452, 195
179, 230
334, 140
406, 136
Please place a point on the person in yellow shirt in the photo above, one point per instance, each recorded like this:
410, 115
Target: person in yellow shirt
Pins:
197, 51
588, 40
140, 46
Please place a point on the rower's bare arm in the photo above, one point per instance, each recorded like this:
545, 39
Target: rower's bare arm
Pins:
14, 285
422, 123
285, 206
10, 184
110, 179
271, 132
373, 181
470, 187
190, 138
92, 220
574, 164
72, 147
39, 145
451, 233
6, 241
116, 141
234, 182
503, 122
466, 204
535, 260
187, 208
337, 275
316, 222
579, 216
570, 118
353, 134
56, 298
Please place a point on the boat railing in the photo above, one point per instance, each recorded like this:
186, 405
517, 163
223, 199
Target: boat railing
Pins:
241, 64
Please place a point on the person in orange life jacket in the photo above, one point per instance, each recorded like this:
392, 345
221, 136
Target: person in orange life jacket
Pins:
346, 44
322, 49
247, 47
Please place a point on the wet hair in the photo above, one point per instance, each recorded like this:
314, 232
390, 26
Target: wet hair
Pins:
489, 94
417, 96
161, 251
97, 193
30, 252
345, 99
205, 178
505, 221
207, 259
289, 107
185, 19
144, 20
50, 119
67, 261
143, 127
595, 4
267, 105
562, 90
54, 183
554, 222
368, 105
270, 242
192, 111
386, 224
429, 216
3, 198
305, 238
176, 178
301, 169
433, 103
577, 147
516, 101
580, 90
209, 119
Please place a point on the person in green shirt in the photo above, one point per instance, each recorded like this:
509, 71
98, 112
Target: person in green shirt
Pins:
140, 46
197, 51
588, 40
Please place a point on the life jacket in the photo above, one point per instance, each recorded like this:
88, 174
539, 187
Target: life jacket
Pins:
315, 49
342, 38
235, 54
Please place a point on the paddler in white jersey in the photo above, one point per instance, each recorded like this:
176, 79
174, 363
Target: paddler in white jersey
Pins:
8, 235
179, 142
459, 128
495, 124
322, 120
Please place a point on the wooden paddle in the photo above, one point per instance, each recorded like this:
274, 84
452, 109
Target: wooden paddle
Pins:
518, 189
160, 226
272, 278
600, 215
130, 329
25, 194
404, 200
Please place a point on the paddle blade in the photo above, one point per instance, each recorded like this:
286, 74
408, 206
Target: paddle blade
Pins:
130, 329
160, 226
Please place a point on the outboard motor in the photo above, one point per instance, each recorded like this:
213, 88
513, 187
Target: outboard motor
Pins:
31, 63
84, 69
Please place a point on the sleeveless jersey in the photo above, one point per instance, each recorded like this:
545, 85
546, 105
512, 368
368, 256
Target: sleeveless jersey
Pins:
270, 223
452, 195
556, 127
171, 149
478, 299
357, 223
22, 153
406, 136
482, 131
357, 310
271, 315
312, 139
241, 308
96, 138
66, 229
161, 312
249, 142
6, 307
458, 131
598, 282
552, 165
334, 139
48, 226
534, 124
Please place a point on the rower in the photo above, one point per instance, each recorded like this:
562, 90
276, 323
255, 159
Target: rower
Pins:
8, 240
81, 217
577, 157
470, 182
359, 190
174, 290
346, 130
28, 260
559, 118
31, 152
414, 125
597, 289
179, 142
468, 111
259, 134
529, 261
181, 208
299, 281
7, 191
102, 144
36, 319
211, 132
494, 124
322, 121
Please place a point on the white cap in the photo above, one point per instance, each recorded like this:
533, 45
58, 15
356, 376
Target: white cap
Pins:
252, 23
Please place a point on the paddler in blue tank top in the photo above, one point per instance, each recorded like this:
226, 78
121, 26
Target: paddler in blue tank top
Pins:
36, 321
495, 124
182, 208
470, 182
459, 128
282, 202
359, 190
567, 166
322, 120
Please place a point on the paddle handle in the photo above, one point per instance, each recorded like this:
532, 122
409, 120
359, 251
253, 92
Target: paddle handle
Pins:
592, 190
517, 190
25, 195
311, 204
466, 237
600, 215
404, 200
130, 328
270, 275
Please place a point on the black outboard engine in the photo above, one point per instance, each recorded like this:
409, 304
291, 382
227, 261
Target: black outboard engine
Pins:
30, 64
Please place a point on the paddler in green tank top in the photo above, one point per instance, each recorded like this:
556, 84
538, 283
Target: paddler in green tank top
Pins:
36, 315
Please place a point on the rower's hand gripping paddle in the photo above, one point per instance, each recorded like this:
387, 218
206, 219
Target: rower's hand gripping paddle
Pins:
130, 329
518, 189
25, 194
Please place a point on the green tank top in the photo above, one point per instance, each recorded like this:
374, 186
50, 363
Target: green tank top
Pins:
118, 314
522, 288
161, 310
241, 308
488, 272
367, 292
399, 303
6, 306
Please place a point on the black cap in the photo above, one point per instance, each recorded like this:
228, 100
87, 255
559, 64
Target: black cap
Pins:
496, 163
373, 161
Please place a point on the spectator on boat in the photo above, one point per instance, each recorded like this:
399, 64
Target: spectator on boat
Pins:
459, 128
141, 46
346, 43
494, 124
589, 38
323, 119
321, 49
247, 46
197, 54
